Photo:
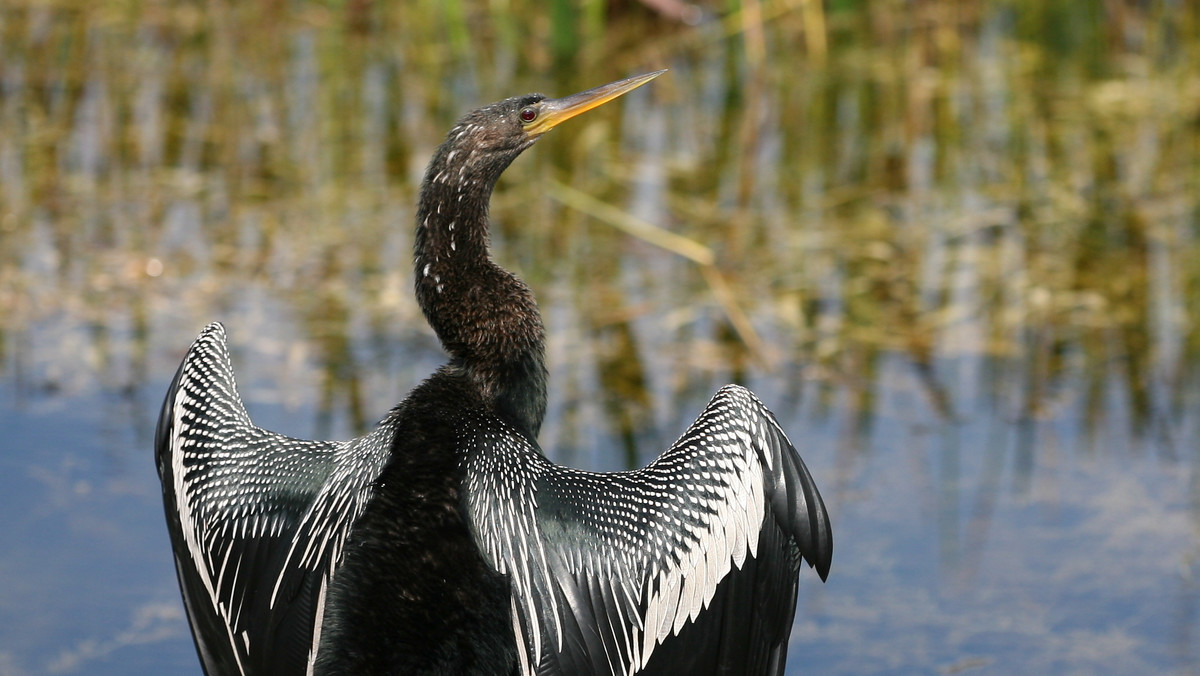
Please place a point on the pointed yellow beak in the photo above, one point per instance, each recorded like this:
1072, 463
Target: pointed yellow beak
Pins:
553, 112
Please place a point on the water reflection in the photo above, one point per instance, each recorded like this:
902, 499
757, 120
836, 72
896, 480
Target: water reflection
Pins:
954, 247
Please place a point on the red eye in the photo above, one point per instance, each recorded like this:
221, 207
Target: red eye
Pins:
528, 114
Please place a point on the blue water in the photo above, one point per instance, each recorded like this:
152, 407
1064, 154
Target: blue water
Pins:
955, 551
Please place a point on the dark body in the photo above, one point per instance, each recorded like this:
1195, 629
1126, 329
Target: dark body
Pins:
413, 595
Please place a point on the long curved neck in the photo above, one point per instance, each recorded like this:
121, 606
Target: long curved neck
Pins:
484, 316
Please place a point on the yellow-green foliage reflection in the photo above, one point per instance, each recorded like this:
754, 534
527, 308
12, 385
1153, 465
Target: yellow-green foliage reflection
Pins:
1012, 182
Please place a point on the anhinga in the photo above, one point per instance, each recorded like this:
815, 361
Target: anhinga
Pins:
444, 542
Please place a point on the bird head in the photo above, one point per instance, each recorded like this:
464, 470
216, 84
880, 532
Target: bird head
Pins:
492, 136
539, 115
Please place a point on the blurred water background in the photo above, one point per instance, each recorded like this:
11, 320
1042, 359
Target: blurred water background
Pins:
954, 245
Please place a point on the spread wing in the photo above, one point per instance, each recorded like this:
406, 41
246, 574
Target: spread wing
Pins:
257, 519
687, 566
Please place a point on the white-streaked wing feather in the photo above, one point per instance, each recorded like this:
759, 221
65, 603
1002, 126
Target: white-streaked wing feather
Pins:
611, 570
257, 518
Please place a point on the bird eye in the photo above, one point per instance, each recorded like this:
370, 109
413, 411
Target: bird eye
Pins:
528, 114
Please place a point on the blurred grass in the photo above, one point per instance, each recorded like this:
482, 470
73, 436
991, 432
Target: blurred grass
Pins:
1010, 182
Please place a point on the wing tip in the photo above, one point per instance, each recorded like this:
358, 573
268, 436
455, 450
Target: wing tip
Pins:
822, 558
819, 547
213, 328
212, 337
816, 541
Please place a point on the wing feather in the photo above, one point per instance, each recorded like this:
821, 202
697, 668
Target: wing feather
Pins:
257, 519
688, 565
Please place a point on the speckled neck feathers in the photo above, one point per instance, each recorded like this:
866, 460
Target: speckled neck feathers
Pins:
484, 316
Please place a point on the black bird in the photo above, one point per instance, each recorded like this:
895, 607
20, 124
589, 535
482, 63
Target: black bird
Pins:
445, 542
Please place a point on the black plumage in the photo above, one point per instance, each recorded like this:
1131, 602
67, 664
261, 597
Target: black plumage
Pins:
444, 542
